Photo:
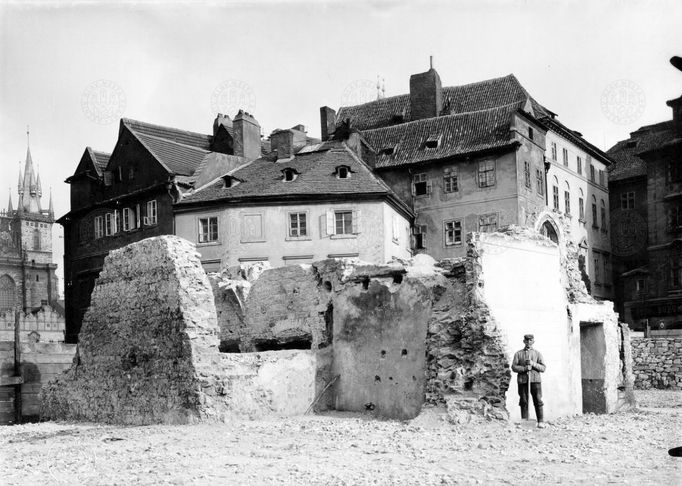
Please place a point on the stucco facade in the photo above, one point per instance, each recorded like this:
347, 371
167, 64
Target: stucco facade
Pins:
577, 186
260, 233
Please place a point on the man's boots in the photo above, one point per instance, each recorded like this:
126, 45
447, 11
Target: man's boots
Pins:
540, 416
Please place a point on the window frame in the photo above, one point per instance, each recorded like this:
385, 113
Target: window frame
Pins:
212, 230
493, 222
450, 180
345, 231
485, 172
526, 175
421, 178
151, 213
453, 236
627, 200
290, 227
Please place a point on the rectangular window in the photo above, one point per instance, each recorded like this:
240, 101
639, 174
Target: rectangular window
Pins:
602, 179
419, 237
450, 180
605, 266
581, 208
675, 273
579, 165
131, 173
208, 229
109, 224
150, 218
555, 197
453, 232
674, 218
554, 151
420, 186
595, 223
674, 171
597, 276
343, 222
565, 154
592, 178
540, 182
486, 173
487, 223
117, 221
526, 175
627, 200
640, 285
128, 219
99, 227
530, 133
567, 202
604, 226
298, 226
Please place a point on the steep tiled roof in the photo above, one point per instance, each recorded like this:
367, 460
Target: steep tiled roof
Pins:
100, 159
455, 135
482, 95
625, 153
263, 178
193, 139
177, 158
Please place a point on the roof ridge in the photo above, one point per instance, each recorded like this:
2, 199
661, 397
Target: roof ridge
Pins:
130, 120
154, 154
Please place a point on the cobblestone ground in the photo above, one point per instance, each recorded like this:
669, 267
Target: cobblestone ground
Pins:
345, 449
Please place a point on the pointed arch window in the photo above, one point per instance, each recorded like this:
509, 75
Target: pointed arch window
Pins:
8, 298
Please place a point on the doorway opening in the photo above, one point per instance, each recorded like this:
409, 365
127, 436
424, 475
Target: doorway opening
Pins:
592, 366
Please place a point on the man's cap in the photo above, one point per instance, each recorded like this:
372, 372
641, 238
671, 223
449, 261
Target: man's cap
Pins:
528, 337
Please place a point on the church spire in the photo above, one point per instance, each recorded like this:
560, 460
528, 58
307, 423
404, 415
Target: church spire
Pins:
10, 208
29, 192
51, 210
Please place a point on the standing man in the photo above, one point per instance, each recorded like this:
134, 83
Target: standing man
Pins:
528, 363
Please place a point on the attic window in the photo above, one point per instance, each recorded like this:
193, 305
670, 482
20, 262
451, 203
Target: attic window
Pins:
432, 142
289, 174
631, 144
387, 151
530, 133
229, 181
343, 172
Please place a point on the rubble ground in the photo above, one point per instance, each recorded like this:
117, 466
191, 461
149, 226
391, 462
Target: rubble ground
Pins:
347, 449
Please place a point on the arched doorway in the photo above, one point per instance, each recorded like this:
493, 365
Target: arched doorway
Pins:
547, 229
8, 298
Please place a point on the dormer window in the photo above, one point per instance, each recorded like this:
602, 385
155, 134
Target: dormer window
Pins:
343, 172
387, 151
229, 181
432, 142
289, 174
631, 144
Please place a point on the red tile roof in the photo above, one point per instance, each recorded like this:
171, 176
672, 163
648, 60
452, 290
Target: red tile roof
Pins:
456, 134
263, 178
625, 153
482, 95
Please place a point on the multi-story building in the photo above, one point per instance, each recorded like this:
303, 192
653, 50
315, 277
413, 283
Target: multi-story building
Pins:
27, 274
127, 195
297, 205
473, 158
577, 182
645, 184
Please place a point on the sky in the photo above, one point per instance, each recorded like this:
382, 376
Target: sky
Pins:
71, 70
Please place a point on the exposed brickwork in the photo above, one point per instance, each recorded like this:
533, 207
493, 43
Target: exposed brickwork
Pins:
657, 362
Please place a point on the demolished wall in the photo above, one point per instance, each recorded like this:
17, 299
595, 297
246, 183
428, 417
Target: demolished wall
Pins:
148, 349
657, 362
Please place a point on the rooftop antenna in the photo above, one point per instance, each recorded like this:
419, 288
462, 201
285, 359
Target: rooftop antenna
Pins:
430, 62
383, 87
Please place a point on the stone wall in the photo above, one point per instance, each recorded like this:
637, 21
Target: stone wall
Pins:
657, 362
148, 350
40, 362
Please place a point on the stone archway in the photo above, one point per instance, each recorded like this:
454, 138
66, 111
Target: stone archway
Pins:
548, 229
8, 293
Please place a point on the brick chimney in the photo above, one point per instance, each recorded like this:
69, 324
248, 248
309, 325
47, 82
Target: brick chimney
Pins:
246, 136
221, 119
676, 105
327, 122
426, 94
283, 142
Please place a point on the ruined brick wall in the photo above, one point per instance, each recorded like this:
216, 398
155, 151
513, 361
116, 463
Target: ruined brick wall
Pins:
148, 350
657, 362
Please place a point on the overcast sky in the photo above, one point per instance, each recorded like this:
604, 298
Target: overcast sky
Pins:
176, 63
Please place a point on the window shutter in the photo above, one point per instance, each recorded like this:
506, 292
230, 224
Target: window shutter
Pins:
137, 216
428, 187
330, 223
356, 222
413, 189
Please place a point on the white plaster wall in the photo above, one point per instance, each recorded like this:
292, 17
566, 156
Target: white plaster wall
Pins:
522, 287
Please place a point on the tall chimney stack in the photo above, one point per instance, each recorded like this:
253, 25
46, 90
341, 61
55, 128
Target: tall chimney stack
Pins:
426, 94
327, 122
283, 142
246, 136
